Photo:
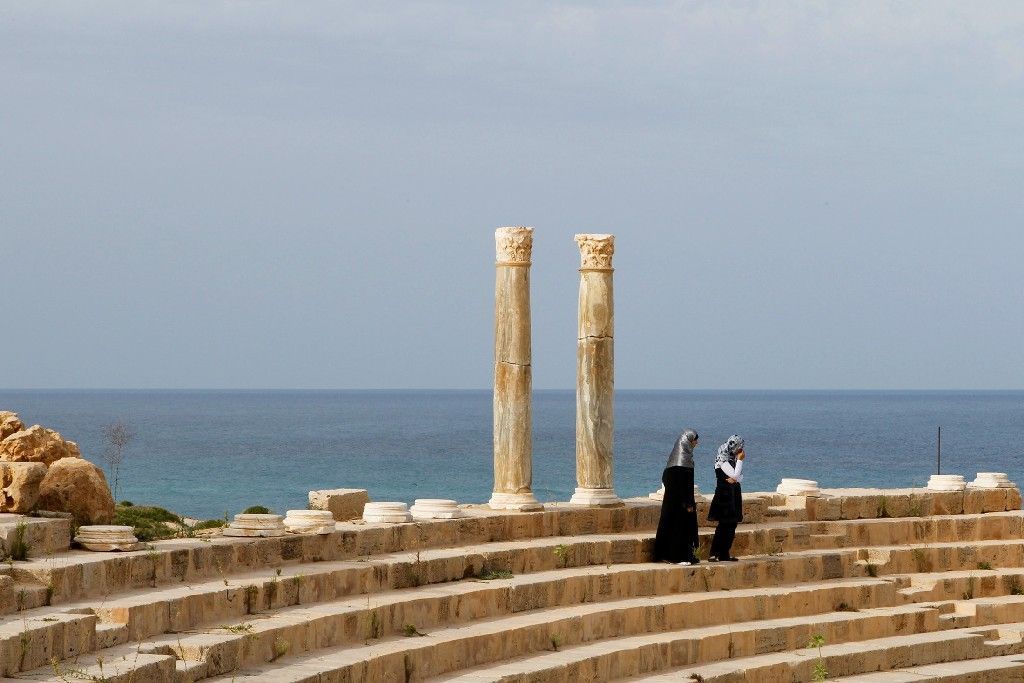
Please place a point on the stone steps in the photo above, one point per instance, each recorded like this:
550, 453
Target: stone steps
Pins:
183, 608
492, 640
1005, 668
636, 655
313, 606
854, 658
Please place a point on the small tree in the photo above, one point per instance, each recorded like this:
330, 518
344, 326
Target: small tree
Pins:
117, 436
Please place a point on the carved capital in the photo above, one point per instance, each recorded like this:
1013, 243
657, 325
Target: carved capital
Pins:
514, 245
596, 251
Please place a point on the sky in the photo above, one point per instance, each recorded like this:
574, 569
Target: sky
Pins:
805, 195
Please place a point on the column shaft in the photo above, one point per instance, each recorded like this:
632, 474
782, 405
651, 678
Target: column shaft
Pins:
595, 374
513, 378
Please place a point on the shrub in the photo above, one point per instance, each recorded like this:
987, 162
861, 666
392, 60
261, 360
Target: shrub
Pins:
150, 523
209, 524
256, 510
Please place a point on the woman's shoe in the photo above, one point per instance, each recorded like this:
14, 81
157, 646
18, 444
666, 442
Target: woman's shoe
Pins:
694, 560
732, 559
712, 558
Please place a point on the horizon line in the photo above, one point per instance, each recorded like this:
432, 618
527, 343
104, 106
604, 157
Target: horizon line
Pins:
476, 389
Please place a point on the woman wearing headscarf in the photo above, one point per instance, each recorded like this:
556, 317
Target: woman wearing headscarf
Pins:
727, 505
677, 528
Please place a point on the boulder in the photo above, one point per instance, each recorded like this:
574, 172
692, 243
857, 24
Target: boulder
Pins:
20, 481
37, 444
9, 423
77, 486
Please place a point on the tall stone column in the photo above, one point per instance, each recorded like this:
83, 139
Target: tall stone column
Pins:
513, 374
595, 374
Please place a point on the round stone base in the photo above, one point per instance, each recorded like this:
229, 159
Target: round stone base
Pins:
386, 513
991, 480
798, 487
604, 498
522, 502
947, 482
435, 508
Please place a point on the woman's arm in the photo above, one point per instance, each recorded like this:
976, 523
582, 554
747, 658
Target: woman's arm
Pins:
734, 473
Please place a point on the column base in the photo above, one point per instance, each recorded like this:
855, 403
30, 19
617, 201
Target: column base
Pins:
522, 502
604, 498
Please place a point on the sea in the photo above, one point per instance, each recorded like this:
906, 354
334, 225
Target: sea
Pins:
206, 454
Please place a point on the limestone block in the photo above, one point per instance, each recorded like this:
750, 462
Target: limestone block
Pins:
9, 424
386, 513
21, 482
77, 486
979, 500
309, 521
107, 538
947, 502
37, 444
1013, 501
256, 526
435, 508
343, 504
824, 508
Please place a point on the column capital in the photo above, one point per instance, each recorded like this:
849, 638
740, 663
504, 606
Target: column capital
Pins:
514, 245
596, 251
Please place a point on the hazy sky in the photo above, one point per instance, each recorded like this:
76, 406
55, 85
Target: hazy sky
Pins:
304, 194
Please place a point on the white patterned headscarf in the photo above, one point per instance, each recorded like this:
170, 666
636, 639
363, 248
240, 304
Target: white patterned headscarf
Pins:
728, 451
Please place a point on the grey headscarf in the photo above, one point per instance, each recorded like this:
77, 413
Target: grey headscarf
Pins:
728, 451
682, 451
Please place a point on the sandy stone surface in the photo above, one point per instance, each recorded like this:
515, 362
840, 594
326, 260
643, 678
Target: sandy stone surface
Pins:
37, 444
9, 424
77, 486
21, 482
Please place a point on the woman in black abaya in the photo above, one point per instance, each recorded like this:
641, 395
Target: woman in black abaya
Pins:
727, 505
677, 529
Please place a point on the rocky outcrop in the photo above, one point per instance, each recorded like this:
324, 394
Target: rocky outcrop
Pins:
9, 423
37, 444
21, 482
77, 486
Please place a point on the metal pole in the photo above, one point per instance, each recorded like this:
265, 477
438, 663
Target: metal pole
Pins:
938, 454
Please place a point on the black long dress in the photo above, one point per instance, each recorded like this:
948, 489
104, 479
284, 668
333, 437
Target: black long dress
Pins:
726, 509
677, 528
727, 505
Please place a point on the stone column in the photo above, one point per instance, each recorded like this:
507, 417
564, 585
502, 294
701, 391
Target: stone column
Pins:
513, 379
595, 374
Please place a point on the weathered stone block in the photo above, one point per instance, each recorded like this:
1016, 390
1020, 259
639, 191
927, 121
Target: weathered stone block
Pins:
344, 504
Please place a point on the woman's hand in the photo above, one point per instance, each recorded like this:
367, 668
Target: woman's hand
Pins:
741, 455
730, 480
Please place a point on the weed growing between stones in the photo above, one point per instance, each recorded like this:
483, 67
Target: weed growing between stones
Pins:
820, 672
1015, 588
883, 507
244, 627
492, 574
410, 630
843, 607
19, 546
562, 553
281, 647
985, 565
556, 641
871, 569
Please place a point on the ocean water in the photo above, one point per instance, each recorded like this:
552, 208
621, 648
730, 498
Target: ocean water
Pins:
205, 453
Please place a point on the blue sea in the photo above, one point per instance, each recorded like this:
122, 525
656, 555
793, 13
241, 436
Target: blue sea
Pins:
207, 453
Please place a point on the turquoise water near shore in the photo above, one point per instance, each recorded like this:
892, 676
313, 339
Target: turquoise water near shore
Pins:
204, 453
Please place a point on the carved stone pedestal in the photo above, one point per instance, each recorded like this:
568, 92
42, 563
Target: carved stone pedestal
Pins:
107, 538
256, 526
386, 513
309, 521
435, 508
